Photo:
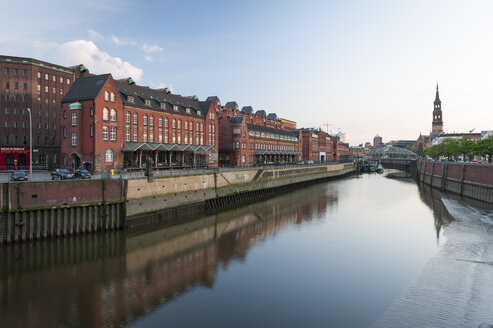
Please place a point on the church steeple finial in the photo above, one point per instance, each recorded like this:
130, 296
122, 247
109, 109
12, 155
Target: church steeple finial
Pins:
437, 97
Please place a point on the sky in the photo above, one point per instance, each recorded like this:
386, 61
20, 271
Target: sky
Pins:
360, 67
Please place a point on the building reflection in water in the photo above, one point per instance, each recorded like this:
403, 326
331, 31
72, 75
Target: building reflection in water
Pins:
113, 279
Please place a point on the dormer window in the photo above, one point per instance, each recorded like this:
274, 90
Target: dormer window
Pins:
188, 110
131, 99
106, 96
147, 102
163, 105
199, 112
175, 108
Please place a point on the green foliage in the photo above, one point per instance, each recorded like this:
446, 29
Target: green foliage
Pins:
466, 147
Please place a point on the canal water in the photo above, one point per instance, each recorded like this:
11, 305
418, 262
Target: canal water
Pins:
344, 253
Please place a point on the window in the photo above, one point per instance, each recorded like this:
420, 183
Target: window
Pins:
127, 134
135, 134
160, 136
16, 97
144, 134
24, 86
163, 105
135, 118
54, 78
39, 75
109, 155
7, 110
131, 99
61, 79
24, 72
46, 88
105, 133
106, 114
106, 96
16, 111
16, 85
174, 130
113, 133
151, 120
175, 108
112, 97
113, 115
74, 119
91, 130
68, 81
145, 119
127, 117
186, 132
147, 102
7, 71
179, 132
188, 110
7, 97
6, 124
46, 76
16, 71
191, 132
74, 139
165, 130
201, 133
160, 122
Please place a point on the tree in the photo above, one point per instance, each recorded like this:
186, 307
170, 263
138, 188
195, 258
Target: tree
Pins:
467, 148
485, 147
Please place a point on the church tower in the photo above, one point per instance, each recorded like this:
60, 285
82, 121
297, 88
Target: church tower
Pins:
437, 123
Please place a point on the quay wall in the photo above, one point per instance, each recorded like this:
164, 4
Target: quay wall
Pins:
37, 210
472, 180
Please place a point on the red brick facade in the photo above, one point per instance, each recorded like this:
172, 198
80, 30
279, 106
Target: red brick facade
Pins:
317, 146
40, 86
248, 139
123, 125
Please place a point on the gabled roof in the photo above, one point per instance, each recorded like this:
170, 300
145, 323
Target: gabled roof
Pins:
231, 104
85, 88
157, 97
260, 113
236, 119
247, 110
213, 99
272, 116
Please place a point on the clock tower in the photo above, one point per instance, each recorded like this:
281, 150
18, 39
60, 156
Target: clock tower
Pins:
437, 123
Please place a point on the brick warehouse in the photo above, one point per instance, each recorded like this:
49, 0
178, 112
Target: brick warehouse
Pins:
317, 145
38, 85
247, 139
112, 124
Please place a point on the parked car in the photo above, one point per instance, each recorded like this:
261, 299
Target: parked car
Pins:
61, 174
82, 174
18, 176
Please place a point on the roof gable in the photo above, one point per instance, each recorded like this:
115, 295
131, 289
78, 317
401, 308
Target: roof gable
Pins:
86, 88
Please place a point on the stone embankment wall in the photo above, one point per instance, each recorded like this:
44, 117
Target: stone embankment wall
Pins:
466, 179
38, 210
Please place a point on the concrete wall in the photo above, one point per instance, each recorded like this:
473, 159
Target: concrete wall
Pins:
466, 179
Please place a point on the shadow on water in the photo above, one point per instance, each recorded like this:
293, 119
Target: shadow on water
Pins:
114, 278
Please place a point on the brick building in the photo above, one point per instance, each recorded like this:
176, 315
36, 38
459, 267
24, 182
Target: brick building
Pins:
317, 146
247, 138
40, 86
377, 141
110, 124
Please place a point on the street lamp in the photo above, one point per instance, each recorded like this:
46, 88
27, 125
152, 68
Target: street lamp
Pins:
30, 146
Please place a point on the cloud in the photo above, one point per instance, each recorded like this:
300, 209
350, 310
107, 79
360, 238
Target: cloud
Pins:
148, 58
149, 49
161, 85
87, 53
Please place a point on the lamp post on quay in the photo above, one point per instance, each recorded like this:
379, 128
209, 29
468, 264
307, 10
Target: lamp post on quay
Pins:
30, 146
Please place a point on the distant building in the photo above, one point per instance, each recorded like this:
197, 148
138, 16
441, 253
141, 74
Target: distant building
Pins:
486, 133
247, 138
421, 143
367, 144
439, 139
377, 141
401, 143
317, 145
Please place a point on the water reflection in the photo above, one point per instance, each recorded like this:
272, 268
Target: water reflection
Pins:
112, 279
433, 199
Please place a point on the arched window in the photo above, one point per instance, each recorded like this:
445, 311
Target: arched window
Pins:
106, 114
112, 97
135, 118
106, 96
113, 115
151, 120
127, 117
109, 155
160, 122
145, 119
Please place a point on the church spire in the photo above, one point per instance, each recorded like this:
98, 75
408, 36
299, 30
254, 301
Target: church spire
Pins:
437, 97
